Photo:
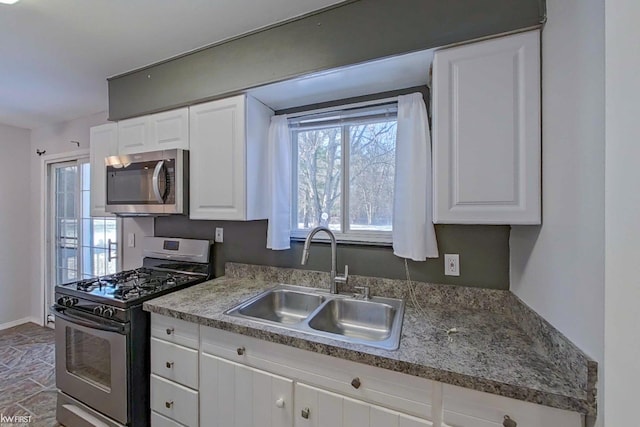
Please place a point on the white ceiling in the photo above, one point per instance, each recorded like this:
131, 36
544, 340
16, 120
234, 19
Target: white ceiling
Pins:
55, 55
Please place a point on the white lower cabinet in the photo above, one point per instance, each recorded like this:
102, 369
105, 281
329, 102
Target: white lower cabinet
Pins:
174, 372
247, 382
315, 407
233, 395
470, 408
214, 378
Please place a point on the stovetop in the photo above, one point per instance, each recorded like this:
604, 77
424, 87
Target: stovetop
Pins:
169, 264
132, 284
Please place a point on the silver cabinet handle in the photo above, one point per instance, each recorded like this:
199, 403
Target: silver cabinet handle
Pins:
156, 181
305, 413
169, 331
280, 403
169, 365
508, 422
240, 351
168, 404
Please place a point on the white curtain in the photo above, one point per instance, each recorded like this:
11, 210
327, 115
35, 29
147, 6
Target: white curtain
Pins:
414, 236
279, 158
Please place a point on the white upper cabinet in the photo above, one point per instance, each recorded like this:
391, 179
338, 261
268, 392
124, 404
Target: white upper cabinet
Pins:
132, 135
103, 142
228, 169
486, 132
161, 131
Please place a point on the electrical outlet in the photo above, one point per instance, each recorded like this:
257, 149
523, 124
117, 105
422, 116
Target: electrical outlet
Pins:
451, 264
219, 235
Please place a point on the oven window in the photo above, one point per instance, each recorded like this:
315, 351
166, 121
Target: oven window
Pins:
89, 357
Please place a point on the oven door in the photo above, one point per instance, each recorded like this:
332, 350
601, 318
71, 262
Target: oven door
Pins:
91, 361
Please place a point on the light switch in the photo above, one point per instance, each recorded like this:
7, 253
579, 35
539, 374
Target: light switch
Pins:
131, 240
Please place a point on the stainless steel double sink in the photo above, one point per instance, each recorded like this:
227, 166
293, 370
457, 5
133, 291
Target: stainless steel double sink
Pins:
375, 322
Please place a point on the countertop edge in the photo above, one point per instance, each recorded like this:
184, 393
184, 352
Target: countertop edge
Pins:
582, 406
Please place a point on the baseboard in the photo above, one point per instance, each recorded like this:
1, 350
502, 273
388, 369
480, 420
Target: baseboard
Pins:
13, 323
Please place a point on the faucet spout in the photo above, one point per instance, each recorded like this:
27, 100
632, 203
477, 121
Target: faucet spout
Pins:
335, 279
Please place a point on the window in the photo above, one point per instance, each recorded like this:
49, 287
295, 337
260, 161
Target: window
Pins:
343, 173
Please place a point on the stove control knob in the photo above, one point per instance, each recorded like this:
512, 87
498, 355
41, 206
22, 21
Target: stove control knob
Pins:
98, 310
74, 301
67, 302
108, 312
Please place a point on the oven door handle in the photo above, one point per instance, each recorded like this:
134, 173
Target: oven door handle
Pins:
88, 323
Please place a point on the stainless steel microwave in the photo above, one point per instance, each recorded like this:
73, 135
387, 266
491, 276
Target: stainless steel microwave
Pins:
152, 183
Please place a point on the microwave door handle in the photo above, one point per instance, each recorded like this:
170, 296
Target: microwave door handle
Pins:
156, 181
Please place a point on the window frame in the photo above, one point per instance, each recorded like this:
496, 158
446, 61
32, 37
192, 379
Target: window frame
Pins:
343, 116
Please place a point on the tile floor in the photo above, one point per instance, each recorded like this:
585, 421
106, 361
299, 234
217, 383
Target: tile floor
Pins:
27, 376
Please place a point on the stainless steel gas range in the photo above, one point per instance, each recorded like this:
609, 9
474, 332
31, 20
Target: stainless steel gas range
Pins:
102, 334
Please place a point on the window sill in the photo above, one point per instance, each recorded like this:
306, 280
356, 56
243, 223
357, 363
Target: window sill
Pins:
383, 241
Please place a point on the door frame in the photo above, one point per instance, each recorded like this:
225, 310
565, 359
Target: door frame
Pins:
45, 227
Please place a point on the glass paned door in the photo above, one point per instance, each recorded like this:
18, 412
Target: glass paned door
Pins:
82, 246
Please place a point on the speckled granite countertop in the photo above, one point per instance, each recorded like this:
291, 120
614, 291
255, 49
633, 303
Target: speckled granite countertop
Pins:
502, 346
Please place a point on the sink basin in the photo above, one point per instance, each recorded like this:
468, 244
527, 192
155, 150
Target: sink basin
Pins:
284, 306
364, 320
376, 322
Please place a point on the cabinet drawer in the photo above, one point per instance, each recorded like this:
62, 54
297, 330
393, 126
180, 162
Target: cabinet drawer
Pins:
158, 420
470, 408
174, 362
404, 393
174, 330
316, 407
174, 401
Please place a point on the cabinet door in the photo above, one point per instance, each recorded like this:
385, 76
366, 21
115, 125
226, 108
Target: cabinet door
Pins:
470, 408
217, 160
132, 136
169, 130
486, 132
320, 408
233, 395
103, 142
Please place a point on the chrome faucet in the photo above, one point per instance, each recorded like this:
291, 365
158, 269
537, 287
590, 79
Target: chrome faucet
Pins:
335, 278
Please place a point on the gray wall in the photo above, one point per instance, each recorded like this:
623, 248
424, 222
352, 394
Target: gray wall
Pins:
484, 252
350, 33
